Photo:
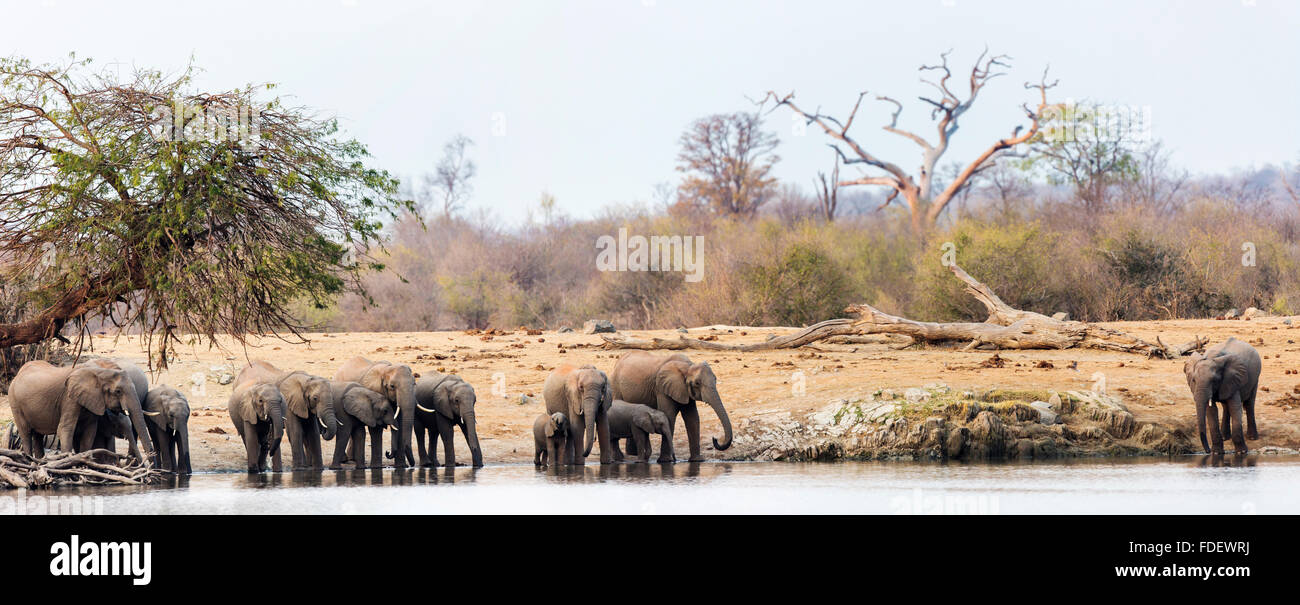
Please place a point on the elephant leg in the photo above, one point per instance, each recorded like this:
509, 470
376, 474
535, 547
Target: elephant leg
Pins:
642, 444
359, 446
448, 448
631, 447
1249, 406
376, 447
1216, 438
539, 455
421, 433
602, 438
313, 454
89, 434
1238, 430
574, 443
618, 454
162, 445
666, 454
293, 427
691, 418
253, 447
341, 441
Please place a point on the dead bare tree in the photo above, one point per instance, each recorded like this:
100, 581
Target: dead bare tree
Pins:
925, 204
449, 185
828, 191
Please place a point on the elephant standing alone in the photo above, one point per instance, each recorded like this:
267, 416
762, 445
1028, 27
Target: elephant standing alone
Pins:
672, 385
1227, 373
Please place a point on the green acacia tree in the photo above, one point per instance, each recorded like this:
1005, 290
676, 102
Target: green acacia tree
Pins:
187, 214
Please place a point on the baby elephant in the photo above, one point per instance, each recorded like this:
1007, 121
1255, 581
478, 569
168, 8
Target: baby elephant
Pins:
549, 433
635, 422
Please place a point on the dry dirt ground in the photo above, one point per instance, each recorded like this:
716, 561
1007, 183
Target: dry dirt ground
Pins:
752, 384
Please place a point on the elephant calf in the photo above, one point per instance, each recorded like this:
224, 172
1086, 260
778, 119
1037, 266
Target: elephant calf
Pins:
635, 423
549, 435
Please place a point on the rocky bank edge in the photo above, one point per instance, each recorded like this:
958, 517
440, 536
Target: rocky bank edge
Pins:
936, 423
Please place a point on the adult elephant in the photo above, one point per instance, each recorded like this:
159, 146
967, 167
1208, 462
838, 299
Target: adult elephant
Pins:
583, 395
360, 409
49, 400
309, 410
672, 385
167, 414
113, 427
442, 402
257, 411
1228, 373
397, 383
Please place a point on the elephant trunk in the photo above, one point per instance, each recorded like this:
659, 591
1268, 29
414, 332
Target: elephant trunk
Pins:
182, 440
277, 424
406, 433
329, 421
1202, 398
131, 405
590, 407
471, 437
715, 401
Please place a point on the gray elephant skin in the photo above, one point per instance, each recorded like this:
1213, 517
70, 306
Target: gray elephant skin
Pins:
549, 436
635, 423
583, 395
359, 410
394, 381
443, 402
167, 414
672, 385
308, 407
50, 400
1227, 374
257, 411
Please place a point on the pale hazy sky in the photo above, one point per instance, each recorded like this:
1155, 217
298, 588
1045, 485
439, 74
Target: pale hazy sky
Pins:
589, 97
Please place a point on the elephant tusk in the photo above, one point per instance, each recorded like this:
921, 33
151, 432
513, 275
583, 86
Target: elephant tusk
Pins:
399, 412
322, 423
152, 413
422, 408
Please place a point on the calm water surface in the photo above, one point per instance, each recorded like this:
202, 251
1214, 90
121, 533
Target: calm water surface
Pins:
1256, 484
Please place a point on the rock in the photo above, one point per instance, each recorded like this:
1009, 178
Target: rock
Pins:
957, 442
988, 436
565, 330
1062, 316
1046, 414
1231, 314
216, 430
225, 378
1252, 312
598, 326
1287, 321
683, 331
915, 395
525, 399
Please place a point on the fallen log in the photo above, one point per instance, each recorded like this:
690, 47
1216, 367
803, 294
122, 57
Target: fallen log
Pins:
1005, 328
94, 467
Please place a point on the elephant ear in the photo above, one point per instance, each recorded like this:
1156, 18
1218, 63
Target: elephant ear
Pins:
671, 381
643, 422
550, 429
1233, 376
607, 398
84, 388
246, 407
373, 379
293, 388
361, 405
442, 398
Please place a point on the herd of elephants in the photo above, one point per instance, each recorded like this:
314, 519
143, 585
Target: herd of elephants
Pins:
88, 406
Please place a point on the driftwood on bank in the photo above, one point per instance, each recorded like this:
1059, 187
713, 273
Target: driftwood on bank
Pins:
1005, 328
64, 469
